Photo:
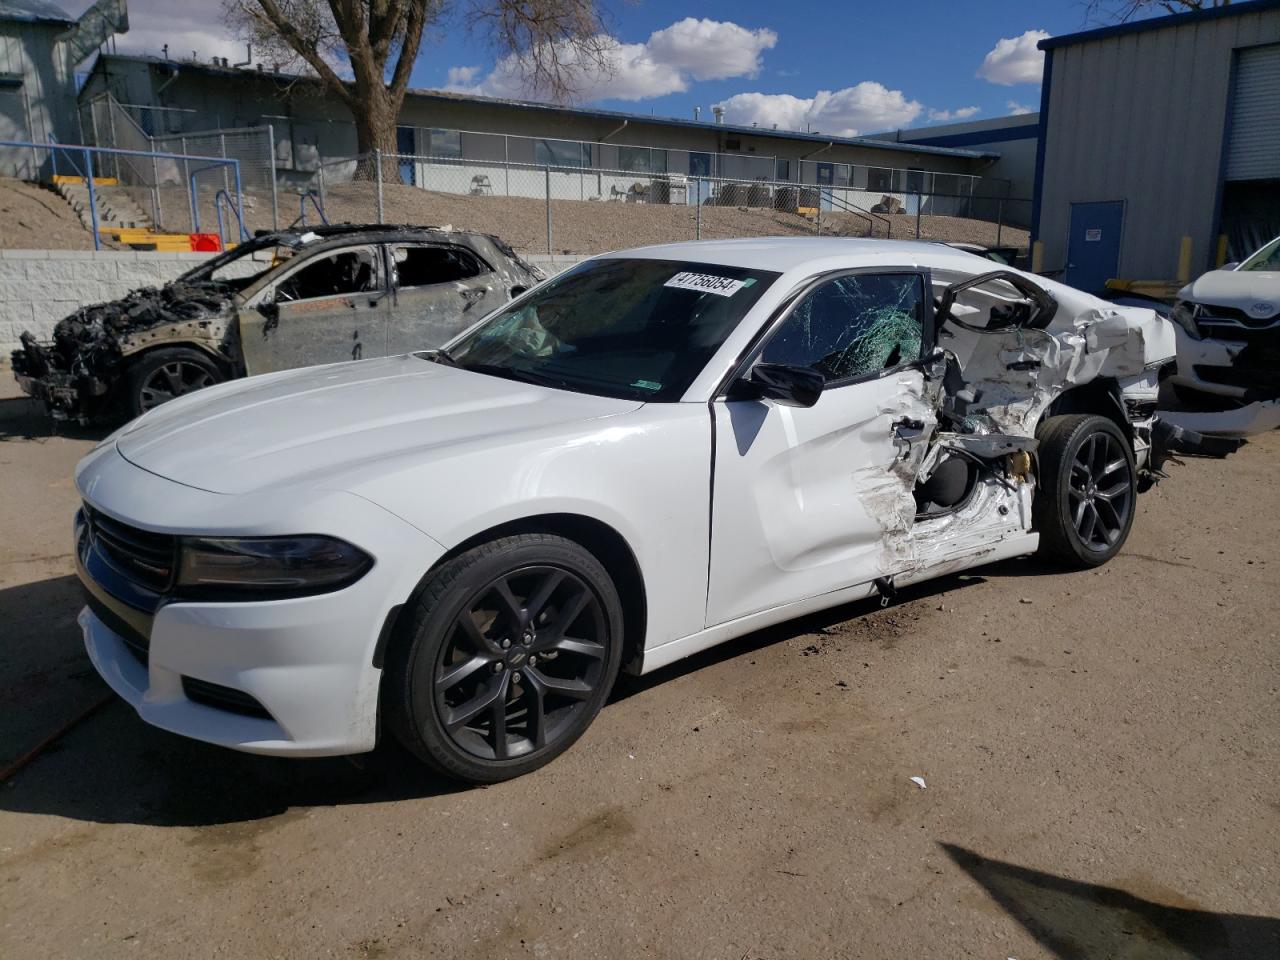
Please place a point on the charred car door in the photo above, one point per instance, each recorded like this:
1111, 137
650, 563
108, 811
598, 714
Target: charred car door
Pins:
808, 500
438, 290
324, 308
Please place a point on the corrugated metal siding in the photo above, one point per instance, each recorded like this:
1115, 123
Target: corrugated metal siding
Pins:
1254, 153
1140, 117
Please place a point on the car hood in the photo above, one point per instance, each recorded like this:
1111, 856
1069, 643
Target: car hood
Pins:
307, 427
1247, 290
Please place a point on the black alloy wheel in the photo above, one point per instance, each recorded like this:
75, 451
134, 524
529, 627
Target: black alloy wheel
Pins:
504, 658
522, 658
1100, 492
1085, 505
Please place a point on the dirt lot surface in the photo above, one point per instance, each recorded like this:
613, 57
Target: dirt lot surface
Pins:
1099, 750
33, 218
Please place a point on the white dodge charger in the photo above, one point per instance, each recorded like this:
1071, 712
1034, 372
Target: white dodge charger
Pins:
653, 452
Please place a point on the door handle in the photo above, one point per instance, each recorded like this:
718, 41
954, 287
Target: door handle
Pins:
473, 295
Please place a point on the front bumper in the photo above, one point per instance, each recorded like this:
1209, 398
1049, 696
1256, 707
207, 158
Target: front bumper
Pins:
306, 665
1236, 369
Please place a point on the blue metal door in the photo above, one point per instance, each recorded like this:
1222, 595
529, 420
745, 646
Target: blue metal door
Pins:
406, 145
1093, 244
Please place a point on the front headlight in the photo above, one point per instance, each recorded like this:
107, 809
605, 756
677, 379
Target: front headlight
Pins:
1184, 315
267, 568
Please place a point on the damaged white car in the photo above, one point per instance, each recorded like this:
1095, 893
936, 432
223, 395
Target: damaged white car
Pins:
1228, 328
650, 454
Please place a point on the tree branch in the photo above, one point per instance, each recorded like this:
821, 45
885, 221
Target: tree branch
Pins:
297, 42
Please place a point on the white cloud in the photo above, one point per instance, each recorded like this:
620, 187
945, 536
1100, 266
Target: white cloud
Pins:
1017, 109
960, 113
710, 49
842, 113
462, 76
1015, 60
686, 50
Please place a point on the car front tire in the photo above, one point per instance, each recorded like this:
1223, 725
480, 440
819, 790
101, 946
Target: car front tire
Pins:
504, 657
159, 376
1088, 490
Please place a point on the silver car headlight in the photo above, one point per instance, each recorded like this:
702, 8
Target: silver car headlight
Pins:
1184, 315
266, 568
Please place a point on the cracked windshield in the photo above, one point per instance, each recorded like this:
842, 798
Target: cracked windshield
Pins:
628, 328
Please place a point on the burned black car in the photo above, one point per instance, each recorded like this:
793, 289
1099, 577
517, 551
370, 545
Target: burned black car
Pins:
282, 300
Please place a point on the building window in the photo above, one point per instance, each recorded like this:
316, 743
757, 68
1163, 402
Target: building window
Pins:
561, 153
879, 179
446, 143
782, 170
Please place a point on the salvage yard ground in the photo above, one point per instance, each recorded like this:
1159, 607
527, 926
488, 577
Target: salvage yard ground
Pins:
1098, 749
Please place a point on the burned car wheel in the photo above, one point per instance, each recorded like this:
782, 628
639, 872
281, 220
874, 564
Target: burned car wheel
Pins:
1088, 489
508, 655
161, 375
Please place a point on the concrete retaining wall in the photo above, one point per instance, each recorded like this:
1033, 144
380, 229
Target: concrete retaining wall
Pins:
40, 287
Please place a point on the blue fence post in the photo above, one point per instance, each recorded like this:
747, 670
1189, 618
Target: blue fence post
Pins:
217, 206
54, 152
244, 234
195, 205
93, 201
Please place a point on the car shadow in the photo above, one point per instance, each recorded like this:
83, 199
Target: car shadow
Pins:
23, 418
1074, 920
113, 768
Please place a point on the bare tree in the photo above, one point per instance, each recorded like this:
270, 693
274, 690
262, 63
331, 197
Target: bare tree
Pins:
363, 51
1121, 11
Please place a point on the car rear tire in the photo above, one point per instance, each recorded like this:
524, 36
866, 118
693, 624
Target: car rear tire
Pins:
159, 376
1088, 490
504, 657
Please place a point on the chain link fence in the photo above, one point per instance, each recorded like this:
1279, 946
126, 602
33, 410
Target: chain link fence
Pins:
127, 197
182, 195
569, 204
578, 210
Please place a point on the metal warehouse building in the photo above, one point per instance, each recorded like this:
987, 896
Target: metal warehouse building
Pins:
1160, 145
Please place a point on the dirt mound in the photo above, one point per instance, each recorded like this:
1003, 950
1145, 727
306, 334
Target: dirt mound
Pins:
35, 218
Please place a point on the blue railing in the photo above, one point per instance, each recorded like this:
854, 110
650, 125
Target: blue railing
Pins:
218, 199
87, 155
316, 202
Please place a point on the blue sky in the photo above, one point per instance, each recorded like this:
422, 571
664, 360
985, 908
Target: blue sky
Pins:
837, 69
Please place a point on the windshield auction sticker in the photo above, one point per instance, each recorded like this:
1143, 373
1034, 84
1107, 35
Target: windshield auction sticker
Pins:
705, 283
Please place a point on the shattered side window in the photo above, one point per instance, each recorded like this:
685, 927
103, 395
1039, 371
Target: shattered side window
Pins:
853, 326
333, 275
424, 266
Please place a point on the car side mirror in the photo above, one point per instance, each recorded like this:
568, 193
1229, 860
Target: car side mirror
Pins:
269, 309
788, 384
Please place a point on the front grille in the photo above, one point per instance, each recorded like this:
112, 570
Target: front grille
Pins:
1230, 322
146, 558
223, 698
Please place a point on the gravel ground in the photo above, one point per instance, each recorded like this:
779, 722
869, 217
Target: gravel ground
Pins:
1099, 750
33, 218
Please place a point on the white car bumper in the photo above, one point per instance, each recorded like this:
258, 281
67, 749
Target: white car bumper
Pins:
295, 677
1198, 357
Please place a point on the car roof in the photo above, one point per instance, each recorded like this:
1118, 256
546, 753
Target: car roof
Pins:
781, 254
